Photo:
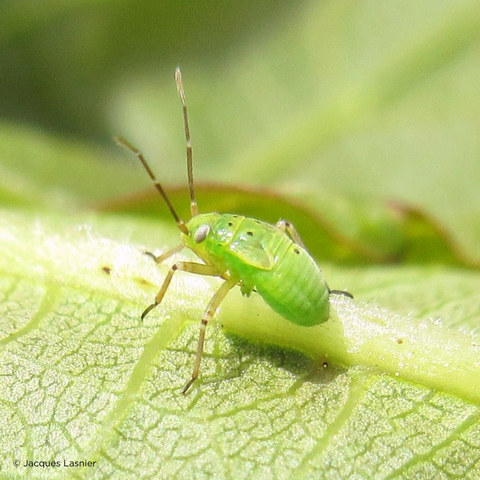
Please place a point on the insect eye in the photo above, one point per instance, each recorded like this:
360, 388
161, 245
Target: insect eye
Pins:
201, 233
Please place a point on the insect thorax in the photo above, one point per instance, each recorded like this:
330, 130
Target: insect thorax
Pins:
210, 235
241, 245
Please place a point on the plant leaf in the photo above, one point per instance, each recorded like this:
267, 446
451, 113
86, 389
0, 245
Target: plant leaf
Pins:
84, 379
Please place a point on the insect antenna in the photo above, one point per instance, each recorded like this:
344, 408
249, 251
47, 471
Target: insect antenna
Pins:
181, 94
180, 223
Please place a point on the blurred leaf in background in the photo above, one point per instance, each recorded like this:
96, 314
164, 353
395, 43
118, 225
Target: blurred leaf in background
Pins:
357, 121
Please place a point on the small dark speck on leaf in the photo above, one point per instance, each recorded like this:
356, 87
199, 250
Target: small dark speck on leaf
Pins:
106, 270
142, 281
399, 341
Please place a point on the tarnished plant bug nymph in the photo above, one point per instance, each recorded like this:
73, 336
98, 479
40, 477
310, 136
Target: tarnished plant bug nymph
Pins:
255, 255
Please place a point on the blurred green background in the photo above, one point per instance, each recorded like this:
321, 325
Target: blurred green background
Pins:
342, 106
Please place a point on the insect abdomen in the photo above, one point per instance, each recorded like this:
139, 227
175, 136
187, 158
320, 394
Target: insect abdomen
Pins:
264, 258
295, 288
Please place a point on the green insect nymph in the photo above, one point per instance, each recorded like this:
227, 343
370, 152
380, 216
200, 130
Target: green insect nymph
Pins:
270, 259
262, 257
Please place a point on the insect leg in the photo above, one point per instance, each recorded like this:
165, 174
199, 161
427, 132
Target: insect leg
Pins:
192, 267
166, 254
340, 292
288, 228
207, 316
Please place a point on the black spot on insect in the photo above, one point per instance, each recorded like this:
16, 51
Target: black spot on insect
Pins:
250, 233
297, 251
106, 270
